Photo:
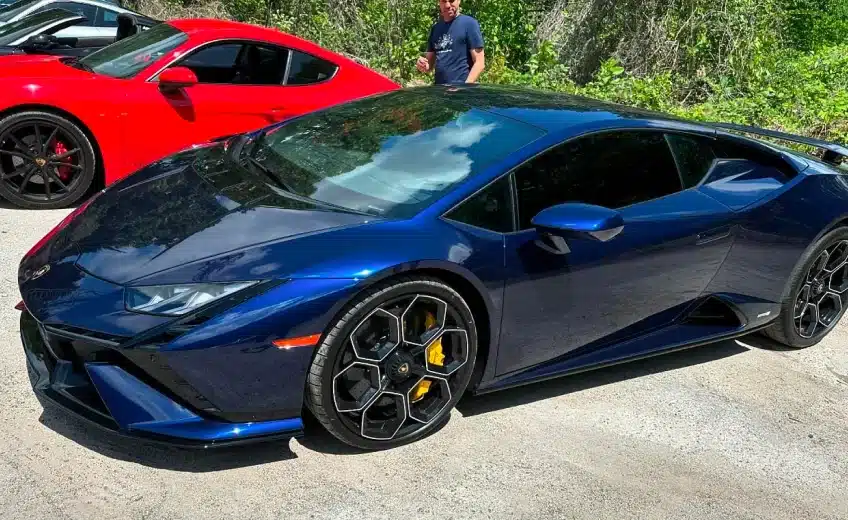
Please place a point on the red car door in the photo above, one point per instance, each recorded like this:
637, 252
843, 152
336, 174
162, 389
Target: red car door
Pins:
244, 86
241, 86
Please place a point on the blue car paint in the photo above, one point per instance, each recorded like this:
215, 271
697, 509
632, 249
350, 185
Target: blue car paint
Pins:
601, 287
136, 406
577, 218
604, 302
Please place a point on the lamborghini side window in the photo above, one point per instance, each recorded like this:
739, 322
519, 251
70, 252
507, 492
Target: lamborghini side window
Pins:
613, 170
694, 156
739, 151
489, 209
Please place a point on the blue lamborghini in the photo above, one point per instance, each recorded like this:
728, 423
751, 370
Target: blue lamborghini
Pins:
371, 262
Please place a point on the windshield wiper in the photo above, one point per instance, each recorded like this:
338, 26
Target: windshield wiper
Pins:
77, 64
290, 193
280, 183
270, 174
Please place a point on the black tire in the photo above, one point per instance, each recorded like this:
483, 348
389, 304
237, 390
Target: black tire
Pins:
79, 166
787, 328
334, 354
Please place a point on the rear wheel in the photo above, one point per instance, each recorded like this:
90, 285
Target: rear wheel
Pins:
816, 295
392, 368
46, 161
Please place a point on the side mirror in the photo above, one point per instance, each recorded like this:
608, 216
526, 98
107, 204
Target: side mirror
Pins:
575, 220
176, 78
40, 41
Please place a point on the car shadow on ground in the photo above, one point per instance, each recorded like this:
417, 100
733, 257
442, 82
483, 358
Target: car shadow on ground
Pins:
194, 460
316, 438
475, 405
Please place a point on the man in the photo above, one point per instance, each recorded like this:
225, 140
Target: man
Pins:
455, 47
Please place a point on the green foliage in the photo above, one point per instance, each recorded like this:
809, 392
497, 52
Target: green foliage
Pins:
776, 63
509, 28
810, 24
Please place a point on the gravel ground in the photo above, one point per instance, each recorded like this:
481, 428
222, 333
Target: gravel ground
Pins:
738, 429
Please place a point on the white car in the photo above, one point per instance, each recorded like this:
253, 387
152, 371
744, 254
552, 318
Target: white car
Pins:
101, 16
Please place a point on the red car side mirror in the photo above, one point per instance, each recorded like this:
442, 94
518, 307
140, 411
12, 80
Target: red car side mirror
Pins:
176, 78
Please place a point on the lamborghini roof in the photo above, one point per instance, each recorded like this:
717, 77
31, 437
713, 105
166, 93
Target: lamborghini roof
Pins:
551, 111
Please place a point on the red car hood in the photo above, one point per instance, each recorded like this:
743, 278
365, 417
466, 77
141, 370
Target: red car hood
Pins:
38, 67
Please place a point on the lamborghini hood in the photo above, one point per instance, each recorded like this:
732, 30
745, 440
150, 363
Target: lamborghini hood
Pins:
192, 206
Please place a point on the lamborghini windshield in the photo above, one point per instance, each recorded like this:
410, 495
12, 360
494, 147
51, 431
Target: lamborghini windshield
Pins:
13, 10
128, 57
28, 25
390, 155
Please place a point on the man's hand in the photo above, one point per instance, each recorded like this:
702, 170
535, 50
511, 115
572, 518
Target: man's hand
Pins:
425, 63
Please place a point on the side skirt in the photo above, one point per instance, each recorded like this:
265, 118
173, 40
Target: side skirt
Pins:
551, 371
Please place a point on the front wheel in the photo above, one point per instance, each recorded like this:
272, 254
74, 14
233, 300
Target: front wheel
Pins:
816, 295
46, 161
394, 365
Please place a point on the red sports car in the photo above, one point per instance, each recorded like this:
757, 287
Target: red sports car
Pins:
69, 123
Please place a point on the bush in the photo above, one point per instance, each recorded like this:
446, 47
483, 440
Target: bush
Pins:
773, 63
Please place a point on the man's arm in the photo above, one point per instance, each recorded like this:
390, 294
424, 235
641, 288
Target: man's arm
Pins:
479, 59
426, 63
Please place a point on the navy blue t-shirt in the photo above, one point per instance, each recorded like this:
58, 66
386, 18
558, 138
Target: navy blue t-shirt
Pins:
452, 42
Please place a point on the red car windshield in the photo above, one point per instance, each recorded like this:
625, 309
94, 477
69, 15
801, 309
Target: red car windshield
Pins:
128, 57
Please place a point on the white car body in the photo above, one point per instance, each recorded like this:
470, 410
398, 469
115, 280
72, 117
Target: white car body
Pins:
102, 17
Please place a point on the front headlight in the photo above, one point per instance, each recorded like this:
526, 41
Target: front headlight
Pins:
177, 300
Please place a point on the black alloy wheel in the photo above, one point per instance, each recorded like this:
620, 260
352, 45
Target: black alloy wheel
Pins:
818, 304
46, 162
392, 368
817, 293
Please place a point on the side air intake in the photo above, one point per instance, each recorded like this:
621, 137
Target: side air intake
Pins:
713, 311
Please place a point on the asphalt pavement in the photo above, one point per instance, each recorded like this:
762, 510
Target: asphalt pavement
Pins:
735, 430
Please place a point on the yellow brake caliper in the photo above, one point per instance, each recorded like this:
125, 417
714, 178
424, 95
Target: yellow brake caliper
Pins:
435, 356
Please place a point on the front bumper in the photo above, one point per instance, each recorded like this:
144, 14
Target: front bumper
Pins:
80, 375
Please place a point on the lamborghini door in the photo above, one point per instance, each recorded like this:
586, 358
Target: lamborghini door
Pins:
673, 242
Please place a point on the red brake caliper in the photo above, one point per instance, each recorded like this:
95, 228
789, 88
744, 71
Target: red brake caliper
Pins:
64, 172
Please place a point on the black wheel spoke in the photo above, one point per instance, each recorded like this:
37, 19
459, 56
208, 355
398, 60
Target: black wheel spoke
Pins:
416, 350
65, 155
55, 178
65, 165
21, 146
818, 266
39, 145
15, 154
50, 139
21, 170
46, 185
25, 180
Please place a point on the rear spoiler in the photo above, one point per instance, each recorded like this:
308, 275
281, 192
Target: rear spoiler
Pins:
832, 153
